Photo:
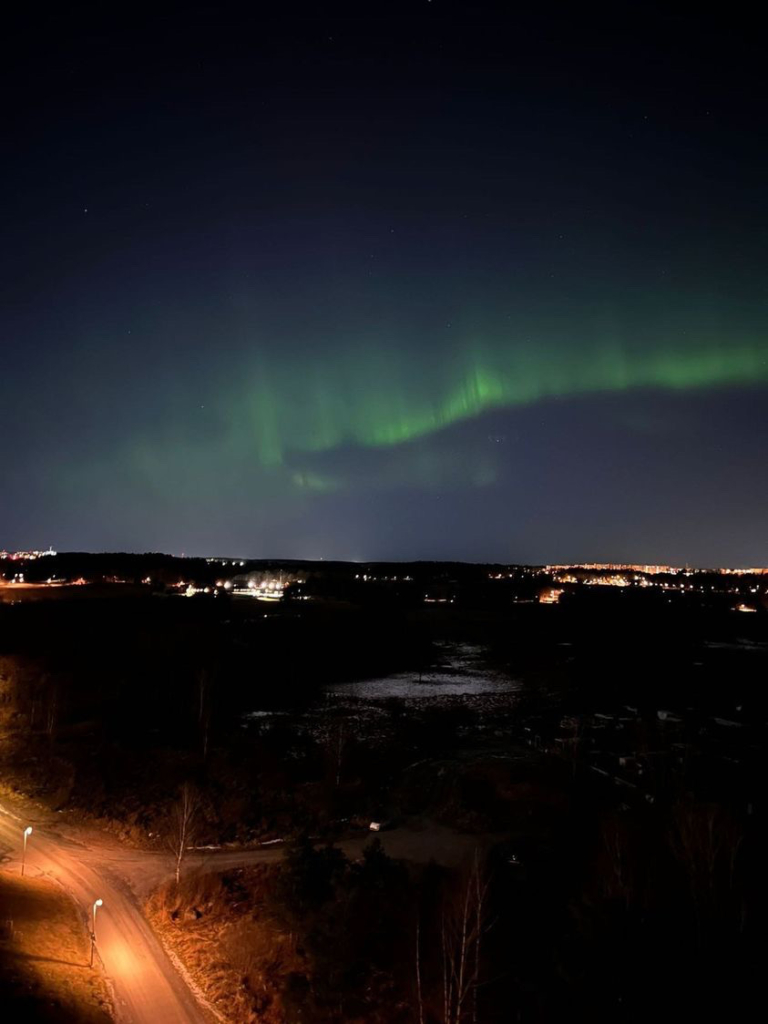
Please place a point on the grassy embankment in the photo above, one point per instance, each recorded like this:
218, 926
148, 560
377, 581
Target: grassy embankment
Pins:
220, 928
44, 957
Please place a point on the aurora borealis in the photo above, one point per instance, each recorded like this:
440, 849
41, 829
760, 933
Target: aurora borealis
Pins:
491, 287
376, 410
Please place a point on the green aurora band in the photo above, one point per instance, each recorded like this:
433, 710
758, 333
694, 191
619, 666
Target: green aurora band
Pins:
356, 416
371, 400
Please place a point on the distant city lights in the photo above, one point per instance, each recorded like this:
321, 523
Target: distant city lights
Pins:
25, 556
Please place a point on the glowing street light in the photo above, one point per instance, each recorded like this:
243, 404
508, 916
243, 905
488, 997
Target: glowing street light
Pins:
27, 834
96, 905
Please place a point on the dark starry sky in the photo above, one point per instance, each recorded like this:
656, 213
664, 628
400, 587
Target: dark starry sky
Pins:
419, 280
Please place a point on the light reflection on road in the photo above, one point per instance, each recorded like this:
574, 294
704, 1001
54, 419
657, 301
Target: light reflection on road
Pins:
147, 988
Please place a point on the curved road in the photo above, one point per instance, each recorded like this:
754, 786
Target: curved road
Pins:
147, 987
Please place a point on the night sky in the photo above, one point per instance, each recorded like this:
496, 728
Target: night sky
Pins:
423, 280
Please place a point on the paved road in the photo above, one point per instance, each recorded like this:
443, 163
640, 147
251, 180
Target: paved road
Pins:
147, 988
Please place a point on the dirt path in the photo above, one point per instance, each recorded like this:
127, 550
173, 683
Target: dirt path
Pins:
148, 989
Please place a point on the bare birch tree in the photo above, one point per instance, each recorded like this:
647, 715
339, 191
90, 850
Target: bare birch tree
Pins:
183, 823
463, 925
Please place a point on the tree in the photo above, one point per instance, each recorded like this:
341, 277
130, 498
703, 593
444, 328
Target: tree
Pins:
334, 741
617, 877
461, 931
204, 680
51, 710
184, 819
308, 877
419, 993
706, 840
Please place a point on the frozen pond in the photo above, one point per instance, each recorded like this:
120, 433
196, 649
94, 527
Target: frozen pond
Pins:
459, 677
461, 671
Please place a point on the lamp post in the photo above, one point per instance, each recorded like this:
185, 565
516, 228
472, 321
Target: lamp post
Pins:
96, 905
27, 834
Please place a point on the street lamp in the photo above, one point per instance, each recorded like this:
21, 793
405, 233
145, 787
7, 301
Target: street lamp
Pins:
96, 905
27, 834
